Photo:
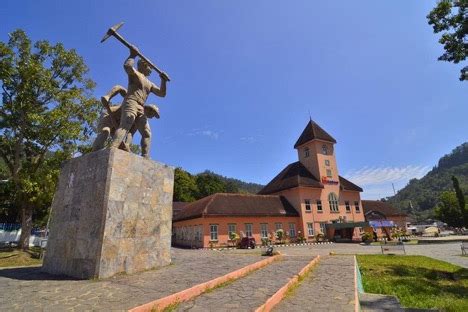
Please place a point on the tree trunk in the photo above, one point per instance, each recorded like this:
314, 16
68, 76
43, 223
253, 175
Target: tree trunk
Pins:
26, 226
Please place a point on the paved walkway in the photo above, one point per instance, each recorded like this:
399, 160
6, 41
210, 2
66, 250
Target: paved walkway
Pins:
449, 252
28, 289
250, 292
329, 287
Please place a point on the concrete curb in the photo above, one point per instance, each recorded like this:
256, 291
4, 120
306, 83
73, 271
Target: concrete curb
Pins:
357, 305
279, 295
275, 246
192, 292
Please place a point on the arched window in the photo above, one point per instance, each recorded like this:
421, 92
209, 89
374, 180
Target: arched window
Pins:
333, 201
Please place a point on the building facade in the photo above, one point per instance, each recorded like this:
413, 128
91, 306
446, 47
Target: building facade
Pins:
306, 198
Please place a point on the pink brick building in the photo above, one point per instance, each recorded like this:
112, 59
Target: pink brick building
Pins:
306, 198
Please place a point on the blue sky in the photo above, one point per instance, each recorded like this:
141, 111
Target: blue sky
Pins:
245, 75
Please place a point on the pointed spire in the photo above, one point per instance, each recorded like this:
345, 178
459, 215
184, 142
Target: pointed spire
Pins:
313, 132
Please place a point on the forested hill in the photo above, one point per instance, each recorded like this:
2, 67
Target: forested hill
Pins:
188, 187
420, 196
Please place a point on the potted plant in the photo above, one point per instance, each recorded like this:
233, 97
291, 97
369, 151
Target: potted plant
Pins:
366, 238
233, 238
319, 237
279, 236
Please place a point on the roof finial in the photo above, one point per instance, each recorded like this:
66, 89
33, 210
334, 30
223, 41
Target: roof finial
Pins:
310, 116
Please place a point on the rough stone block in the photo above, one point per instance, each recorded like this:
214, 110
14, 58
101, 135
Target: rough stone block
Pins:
112, 213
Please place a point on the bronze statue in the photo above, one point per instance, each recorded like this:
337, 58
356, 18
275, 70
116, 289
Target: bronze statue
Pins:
132, 110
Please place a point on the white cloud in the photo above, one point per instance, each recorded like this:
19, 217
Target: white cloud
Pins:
208, 133
377, 181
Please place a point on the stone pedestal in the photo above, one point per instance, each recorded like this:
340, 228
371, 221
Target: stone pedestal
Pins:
112, 213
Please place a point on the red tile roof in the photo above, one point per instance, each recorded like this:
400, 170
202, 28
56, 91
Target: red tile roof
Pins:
313, 132
381, 207
294, 175
236, 205
347, 185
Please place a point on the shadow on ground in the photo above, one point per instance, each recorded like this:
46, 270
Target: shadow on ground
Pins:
33, 274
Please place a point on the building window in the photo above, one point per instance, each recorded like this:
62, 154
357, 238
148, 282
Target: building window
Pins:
323, 228
264, 230
306, 152
329, 173
307, 205
356, 205
327, 162
348, 207
319, 205
310, 229
292, 229
231, 229
213, 232
324, 149
278, 226
248, 229
333, 201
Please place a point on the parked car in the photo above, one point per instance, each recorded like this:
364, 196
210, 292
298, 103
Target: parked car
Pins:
247, 242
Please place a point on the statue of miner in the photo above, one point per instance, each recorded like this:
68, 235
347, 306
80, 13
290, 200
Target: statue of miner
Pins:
110, 120
139, 87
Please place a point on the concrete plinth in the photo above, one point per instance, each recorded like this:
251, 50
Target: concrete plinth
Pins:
112, 213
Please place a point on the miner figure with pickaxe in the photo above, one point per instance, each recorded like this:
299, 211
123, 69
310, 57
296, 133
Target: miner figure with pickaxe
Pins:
138, 90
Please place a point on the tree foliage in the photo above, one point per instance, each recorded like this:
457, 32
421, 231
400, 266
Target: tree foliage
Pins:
47, 112
450, 17
420, 196
188, 188
185, 186
448, 210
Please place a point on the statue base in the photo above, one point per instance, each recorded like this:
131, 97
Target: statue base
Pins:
112, 213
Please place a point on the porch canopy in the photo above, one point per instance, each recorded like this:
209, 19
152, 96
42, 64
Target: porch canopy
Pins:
346, 225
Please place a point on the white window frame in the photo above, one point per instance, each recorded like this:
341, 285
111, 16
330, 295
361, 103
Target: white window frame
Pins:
333, 202
348, 206
310, 229
292, 229
278, 226
248, 229
357, 207
264, 230
329, 173
308, 206
232, 228
323, 227
327, 162
319, 205
213, 232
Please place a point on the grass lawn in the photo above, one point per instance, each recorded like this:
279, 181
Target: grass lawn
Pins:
417, 281
16, 257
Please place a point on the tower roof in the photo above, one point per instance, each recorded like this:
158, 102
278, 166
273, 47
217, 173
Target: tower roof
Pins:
313, 132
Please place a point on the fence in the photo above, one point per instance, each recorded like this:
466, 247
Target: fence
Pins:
11, 232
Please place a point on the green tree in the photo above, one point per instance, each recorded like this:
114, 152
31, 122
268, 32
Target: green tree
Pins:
448, 210
46, 114
450, 17
209, 184
461, 200
185, 186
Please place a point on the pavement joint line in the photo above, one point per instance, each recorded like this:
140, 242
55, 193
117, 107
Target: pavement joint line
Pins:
195, 291
279, 295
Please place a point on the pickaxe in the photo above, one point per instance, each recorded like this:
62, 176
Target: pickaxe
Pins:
113, 32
